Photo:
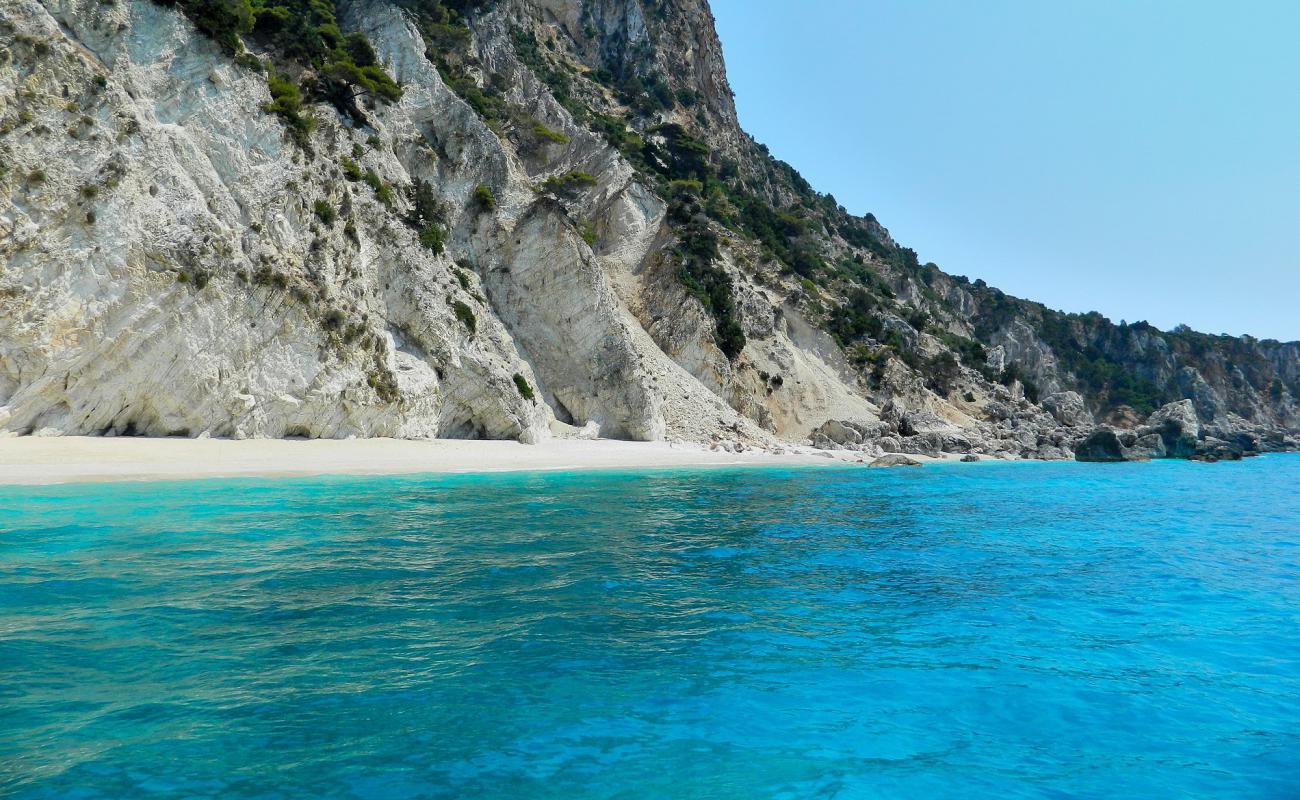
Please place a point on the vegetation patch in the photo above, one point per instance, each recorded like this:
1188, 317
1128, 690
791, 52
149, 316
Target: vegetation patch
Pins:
1097, 352
198, 278
446, 37
305, 36
324, 212
559, 81
703, 279
484, 199
351, 170
525, 391
286, 103
433, 238
856, 317
567, 184
383, 190
427, 217
544, 133
465, 314
587, 230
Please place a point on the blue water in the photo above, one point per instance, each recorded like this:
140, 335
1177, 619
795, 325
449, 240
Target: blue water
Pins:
988, 630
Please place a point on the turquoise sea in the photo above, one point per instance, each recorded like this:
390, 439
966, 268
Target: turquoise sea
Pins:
987, 630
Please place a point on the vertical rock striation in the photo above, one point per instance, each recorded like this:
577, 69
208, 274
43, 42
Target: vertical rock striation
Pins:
556, 221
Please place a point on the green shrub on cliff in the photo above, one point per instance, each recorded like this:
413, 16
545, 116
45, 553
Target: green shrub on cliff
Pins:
525, 391
351, 170
305, 34
433, 238
226, 21
465, 314
544, 133
484, 198
324, 212
568, 183
286, 103
703, 278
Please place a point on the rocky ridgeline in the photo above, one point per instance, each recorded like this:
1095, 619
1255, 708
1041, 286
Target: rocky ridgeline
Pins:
511, 219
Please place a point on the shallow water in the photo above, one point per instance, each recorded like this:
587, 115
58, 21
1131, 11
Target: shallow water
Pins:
988, 630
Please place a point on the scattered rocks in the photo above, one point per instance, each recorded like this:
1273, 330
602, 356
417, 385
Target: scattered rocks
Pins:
1211, 449
1061, 429
890, 444
1053, 453
1172, 431
842, 434
1241, 433
923, 444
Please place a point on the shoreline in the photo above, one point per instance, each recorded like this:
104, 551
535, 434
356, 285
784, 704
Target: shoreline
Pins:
38, 461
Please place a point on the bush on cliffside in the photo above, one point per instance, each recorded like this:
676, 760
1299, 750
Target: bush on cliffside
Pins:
525, 391
286, 103
703, 278
433, 239
466, 315
484, 199
324, 212
226, 21
303, 34
567, 184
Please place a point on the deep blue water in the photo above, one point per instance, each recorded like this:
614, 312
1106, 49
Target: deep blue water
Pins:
988, 630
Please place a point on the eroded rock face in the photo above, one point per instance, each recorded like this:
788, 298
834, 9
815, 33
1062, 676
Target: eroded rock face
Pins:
1177, 427
181, 268
1123, 417
1068, 409
1147, 447
174, 264
173, 271
1211, 449
1172, 431
1103, 445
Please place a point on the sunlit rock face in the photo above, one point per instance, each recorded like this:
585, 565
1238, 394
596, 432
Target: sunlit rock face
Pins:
175, 263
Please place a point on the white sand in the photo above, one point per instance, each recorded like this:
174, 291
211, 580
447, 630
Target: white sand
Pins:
66, 459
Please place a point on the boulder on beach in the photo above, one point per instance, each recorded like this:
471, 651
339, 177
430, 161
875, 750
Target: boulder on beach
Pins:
895, 460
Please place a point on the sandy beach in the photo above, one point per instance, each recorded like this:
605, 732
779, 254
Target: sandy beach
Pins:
70, 459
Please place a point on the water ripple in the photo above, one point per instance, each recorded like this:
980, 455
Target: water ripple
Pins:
975, 631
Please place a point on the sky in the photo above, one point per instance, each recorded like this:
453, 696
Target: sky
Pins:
1140, 158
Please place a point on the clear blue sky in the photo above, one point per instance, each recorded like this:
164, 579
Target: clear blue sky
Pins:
1140, 158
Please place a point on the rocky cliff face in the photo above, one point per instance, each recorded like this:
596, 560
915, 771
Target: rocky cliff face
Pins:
497, 219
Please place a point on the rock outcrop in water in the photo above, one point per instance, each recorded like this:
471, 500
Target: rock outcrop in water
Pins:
509, 219
1174, 431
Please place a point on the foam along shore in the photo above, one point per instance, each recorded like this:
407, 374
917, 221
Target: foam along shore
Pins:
70, 459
